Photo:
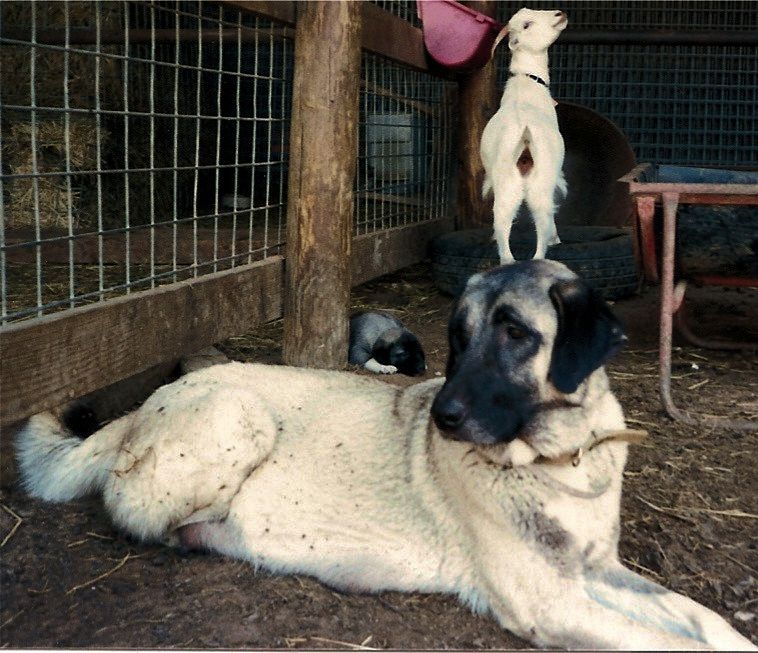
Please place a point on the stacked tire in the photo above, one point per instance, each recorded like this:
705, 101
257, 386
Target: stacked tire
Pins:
603, 256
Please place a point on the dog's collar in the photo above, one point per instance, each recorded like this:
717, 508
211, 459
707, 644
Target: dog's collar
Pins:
632, 436
539, 80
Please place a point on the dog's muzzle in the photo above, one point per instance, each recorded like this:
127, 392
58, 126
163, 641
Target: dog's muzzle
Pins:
484, 419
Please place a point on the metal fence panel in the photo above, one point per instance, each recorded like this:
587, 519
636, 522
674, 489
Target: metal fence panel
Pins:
405, 146
141, 144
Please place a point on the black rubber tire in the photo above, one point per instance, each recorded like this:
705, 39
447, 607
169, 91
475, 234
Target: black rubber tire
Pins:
603, 256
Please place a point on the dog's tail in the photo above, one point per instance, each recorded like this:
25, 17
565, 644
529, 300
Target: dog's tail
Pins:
57, 466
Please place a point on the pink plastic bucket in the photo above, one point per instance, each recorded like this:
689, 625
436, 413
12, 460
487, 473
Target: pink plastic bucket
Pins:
455, 36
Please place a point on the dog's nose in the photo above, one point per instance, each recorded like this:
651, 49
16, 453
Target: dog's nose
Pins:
449, 415
559, 14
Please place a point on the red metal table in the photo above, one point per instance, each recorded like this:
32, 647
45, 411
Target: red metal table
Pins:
646, 187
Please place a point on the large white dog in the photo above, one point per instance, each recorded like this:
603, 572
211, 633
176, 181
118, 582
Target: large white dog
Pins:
501, 485
522, 149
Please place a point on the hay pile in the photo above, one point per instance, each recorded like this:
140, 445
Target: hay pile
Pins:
49, 63
52, 193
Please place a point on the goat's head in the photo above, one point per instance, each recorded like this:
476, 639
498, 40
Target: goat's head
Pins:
532, 30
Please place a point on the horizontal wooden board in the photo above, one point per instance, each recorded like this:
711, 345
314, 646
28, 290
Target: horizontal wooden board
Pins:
282, 11
387, 251
383, 33
58, 357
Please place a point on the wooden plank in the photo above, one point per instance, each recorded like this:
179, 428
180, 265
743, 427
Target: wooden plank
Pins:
282, 11
58, 357
394, 249
323, 143
382, 33
478, 103
392, 37
88, 35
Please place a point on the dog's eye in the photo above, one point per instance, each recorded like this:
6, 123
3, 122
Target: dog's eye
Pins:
515, 333
527, 25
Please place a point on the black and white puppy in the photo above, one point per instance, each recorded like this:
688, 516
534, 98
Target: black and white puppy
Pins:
381, 343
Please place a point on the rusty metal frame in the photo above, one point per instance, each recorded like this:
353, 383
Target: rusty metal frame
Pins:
672, 294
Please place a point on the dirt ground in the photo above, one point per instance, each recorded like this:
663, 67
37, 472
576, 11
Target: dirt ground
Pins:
689, 518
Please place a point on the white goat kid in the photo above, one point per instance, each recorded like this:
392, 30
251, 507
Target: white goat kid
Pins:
522, 149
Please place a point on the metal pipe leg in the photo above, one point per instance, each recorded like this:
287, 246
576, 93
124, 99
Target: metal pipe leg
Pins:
672, 300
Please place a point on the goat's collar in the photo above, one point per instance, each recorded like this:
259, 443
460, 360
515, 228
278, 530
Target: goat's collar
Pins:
632, 436
537, 79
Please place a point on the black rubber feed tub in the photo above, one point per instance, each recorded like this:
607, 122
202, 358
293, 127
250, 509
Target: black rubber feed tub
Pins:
603, 256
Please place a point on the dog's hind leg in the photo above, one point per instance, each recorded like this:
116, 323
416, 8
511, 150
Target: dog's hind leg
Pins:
191, 446
217, 536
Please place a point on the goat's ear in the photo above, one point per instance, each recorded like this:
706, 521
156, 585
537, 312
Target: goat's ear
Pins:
513, 41
588, 334
501, 35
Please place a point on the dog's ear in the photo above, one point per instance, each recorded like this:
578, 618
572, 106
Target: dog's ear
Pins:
588, 334
501, 35
456, 337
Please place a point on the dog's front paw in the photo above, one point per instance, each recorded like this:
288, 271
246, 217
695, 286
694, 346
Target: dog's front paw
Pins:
387, 369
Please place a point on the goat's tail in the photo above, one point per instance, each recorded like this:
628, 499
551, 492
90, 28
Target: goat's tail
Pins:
486, 186
561, 185
56, 466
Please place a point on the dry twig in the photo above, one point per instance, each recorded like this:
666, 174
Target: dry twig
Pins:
671, 512
13, 530
121, 563
350, 645
10, 619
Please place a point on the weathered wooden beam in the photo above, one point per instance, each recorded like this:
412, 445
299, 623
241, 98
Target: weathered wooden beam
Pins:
58, 357
89, 36
383, 33
394, 249
282, 11
392, 37
478, 103
323, 143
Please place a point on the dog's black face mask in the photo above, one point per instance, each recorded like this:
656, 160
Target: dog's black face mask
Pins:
491, 391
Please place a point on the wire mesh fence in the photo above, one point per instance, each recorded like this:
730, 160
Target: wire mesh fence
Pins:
405, 146
144, 143
683, 104
141, 144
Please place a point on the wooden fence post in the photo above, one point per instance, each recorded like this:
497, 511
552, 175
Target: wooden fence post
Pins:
478, 103
323, 147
